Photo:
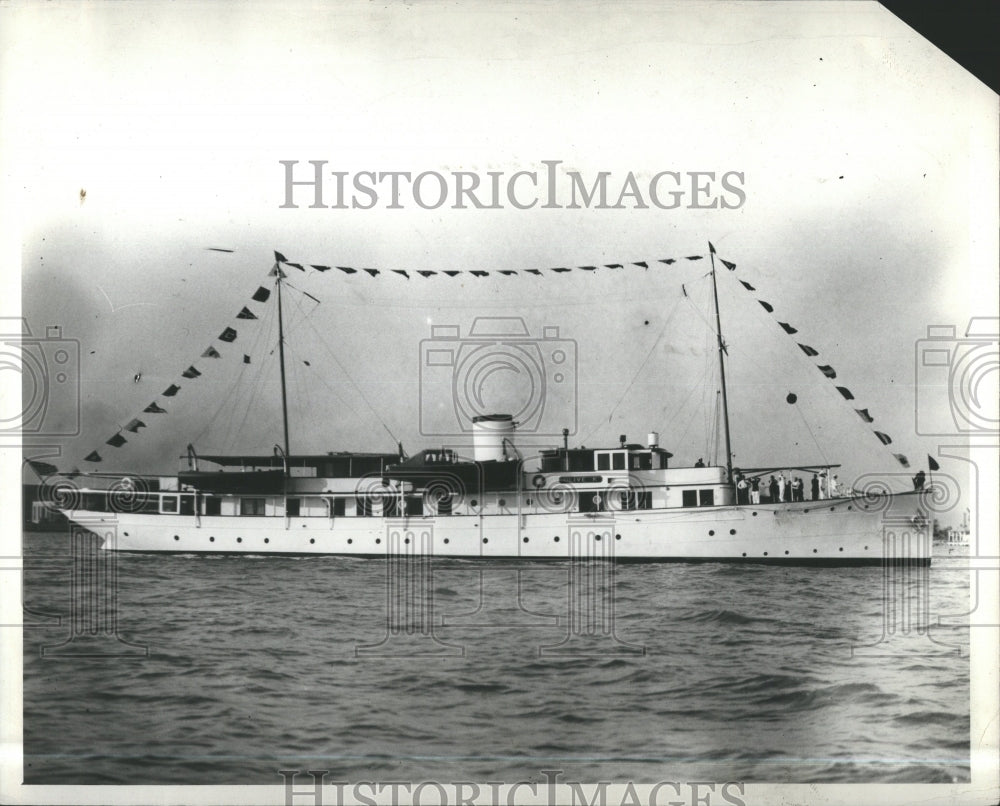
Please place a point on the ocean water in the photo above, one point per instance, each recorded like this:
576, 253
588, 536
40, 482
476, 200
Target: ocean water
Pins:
225, 670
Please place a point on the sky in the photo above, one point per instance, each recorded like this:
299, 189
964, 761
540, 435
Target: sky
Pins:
137, 138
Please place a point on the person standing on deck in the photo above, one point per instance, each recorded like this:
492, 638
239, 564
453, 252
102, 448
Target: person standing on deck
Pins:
772, 489
755, 490
781, 486
814, 487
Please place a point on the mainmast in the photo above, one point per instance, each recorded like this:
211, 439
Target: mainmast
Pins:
279, 275
722, 369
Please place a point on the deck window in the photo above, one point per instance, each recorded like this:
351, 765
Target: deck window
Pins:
706, 498
168, 503
213, 506
604, 461
689, 498
293, 507
618, 461
251, 506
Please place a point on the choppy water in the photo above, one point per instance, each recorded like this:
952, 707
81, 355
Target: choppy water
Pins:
713, 672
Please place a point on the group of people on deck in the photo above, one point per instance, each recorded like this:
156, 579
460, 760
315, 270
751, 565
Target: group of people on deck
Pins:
782, 488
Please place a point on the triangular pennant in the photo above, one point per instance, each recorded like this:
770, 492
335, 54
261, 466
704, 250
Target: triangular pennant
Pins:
479, 273
747, 285
227, 335
426, 273
190, 372
829, 371
885, 439
134, 426
589, 268
280, 257
728, 265
306, 363
560, 270
711, 248
347, 270
246, 313
668, 260
932, 463
809, 351
401, 271
845, 392
298, 266
261, 294
246, 358
93, 456
788, 328
211, 352
452, 273
534, 271
116, 441
902, 459
641, 263
42, 468
766, 306
864, 415
507, 272
153, 408
372, 272
695, 257
171, 390
616, 265
320, 268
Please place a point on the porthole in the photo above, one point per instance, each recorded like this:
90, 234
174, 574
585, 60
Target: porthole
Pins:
378, 540
556, 538
239, 539
524, 540
866, 548
313, 540
744, 554
125, 533
618, 537
407, 541
211, 540
765, 553
849, 507
502, 502
446, 540
177, 537
786, 551
815, 550
711, 532
473, 503
527, 502
754, 514
597, 537
841, 548
267, 540
486, 540
732, 531
350, 540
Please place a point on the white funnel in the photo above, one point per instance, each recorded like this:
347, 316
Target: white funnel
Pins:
488, 434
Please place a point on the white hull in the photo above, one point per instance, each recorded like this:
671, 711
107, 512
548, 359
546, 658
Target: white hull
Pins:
842, 531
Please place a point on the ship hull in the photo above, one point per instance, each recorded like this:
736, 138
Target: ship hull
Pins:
842, 531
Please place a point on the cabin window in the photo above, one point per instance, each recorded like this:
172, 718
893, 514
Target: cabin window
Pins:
618, 461
603, 461
251, 506
364, 509
414, 505
213, 506
689, 498
444, 505
187, 505
168, 503
706, 498
636, 499
338, 507
293, 507
642, 461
